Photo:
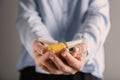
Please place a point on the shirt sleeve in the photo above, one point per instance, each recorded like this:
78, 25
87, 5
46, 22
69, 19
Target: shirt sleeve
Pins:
95, 27
30, 25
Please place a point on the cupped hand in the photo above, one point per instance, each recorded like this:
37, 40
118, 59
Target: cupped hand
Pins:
42, 58
70, 62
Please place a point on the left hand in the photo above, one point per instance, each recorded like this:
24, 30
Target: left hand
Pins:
73, 61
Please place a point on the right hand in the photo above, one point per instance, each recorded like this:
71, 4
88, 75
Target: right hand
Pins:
39, 47
42, 58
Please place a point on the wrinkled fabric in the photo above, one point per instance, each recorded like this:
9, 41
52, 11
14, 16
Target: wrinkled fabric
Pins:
64, 20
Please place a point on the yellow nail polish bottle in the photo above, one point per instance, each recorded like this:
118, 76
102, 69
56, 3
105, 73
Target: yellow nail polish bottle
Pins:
57, 47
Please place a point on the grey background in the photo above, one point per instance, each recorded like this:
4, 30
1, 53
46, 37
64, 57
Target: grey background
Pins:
10, 43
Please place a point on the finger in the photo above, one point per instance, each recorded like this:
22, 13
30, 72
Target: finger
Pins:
73, 54
36, 54
79, 54
43, 44
82, 47
61, 65
74, 51
41, 59
52, 68
76, 55
45, 68
39, 47
79, 50
73, 62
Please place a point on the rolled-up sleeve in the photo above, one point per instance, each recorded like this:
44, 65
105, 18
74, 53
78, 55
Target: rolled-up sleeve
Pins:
30, 25
95, 27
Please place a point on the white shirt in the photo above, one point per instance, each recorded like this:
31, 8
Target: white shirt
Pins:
65, 20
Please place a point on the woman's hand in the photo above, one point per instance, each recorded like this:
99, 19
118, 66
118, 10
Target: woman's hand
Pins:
68, 63
42, 58
71, 62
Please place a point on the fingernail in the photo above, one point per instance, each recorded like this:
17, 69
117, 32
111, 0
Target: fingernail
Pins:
66, 50
64, 54
51, 57
51, 52
77, 49
74, 54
